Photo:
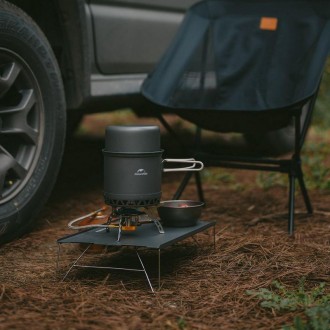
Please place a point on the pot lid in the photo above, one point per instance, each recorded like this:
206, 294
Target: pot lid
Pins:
132, 138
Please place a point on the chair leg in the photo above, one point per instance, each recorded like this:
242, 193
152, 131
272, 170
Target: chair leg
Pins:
199, 187
304, 192
291, 204
183, 185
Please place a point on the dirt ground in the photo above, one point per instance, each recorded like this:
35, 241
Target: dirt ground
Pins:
201, 288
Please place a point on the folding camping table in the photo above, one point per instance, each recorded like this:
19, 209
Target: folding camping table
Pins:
146, 236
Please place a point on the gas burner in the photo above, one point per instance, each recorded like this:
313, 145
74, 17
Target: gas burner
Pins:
122, 218
124, 211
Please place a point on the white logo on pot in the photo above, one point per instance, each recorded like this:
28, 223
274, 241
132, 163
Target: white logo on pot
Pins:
141, 171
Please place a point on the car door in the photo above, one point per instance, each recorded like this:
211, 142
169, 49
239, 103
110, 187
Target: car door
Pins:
131, 35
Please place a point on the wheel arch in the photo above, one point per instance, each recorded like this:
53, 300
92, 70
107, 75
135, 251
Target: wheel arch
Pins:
65, 24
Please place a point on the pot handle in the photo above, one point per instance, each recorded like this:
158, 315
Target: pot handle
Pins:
191, 161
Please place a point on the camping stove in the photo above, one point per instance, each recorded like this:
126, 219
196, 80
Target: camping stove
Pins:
133, 167
123, 218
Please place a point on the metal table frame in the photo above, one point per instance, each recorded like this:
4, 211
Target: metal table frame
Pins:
145, 237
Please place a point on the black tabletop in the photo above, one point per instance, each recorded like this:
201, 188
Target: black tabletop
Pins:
146, 235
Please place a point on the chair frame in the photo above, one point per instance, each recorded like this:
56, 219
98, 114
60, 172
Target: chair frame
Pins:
292, 167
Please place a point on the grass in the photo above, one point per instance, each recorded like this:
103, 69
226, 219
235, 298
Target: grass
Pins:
314, 304
206, 292
218, 175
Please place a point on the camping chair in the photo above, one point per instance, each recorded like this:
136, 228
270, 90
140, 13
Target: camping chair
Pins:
246, 66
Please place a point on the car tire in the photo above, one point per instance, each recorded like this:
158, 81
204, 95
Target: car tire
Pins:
32, 121
73, 121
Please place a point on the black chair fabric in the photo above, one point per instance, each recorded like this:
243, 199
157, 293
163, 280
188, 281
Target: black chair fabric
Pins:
245, 56
246, 66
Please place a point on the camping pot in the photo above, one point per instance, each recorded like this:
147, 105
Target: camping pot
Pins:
133, 165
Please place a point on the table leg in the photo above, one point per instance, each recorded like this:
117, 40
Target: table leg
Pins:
144, 270
67, 273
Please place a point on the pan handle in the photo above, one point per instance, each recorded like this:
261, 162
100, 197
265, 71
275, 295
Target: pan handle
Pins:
191, 161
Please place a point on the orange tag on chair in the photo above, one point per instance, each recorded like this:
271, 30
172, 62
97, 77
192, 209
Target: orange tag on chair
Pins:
268, 23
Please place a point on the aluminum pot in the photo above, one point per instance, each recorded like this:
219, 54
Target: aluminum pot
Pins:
179, 213
133, 165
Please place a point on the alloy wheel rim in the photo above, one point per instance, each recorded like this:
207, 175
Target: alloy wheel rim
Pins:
21, 129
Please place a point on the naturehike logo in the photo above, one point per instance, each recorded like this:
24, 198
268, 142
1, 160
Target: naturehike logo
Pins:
141, 171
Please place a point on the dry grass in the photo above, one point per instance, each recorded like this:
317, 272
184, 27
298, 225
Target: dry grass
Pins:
201, 288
